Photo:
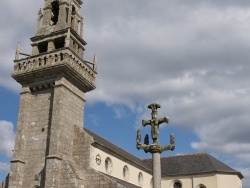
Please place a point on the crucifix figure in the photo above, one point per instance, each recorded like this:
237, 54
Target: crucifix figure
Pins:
154, 122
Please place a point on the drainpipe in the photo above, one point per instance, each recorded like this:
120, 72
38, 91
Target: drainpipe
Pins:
192, 181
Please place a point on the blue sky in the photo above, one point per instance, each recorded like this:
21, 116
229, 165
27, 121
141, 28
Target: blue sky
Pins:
192, 57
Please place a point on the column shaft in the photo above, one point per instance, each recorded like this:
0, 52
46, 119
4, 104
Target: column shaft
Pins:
156, 170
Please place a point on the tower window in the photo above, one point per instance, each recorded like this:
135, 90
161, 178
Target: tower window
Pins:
42, 47
59, 42
55, 12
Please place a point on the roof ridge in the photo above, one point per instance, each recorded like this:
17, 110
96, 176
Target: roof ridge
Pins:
228, 168
211, 163
212, 160
184, 155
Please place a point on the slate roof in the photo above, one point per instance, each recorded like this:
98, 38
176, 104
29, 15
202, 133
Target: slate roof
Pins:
198, 163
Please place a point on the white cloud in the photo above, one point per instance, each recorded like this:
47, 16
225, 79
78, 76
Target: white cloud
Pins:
7, 137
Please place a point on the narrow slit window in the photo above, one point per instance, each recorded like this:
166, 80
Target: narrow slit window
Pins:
55, 12
67, 15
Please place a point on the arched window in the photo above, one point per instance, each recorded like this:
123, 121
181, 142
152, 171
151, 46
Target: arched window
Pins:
140, 179
126, 173
177, 184
108, 165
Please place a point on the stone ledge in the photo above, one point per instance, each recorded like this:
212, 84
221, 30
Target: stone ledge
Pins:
17, 161
53, 66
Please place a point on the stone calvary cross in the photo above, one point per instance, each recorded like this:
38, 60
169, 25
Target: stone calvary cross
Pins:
155, 148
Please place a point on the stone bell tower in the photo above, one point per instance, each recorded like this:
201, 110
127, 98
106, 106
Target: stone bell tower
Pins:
54, 79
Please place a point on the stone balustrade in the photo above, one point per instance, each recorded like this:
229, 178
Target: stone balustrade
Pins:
85, 68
